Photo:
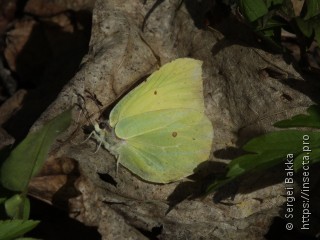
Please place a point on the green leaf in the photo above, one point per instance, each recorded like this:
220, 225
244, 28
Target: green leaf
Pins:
26, 160
268, 33
250, 162
18, 207
310, 27
313, 9
311, 120
11, 229
270, 24
218, 183
270, 3
269, 150
253, 9
304, 26
316, 28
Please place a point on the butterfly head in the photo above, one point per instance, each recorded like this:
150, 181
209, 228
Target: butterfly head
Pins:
101, 131
104, 135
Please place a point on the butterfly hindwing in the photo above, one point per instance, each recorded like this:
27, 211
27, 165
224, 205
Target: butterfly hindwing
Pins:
170, 153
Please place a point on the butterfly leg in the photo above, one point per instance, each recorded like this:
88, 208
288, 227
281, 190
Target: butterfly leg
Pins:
90, 135
98, 146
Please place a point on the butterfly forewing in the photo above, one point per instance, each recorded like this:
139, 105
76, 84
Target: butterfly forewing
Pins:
175, 85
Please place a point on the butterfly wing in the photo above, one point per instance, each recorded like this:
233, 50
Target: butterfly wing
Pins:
167, 152
165, 133
177, 84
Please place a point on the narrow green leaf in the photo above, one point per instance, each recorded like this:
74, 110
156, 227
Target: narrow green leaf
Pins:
270, 150
253, 9
316, 29
27, 158
281, 141
17, 207
272, 44
311, 120
305, 27
271, 24
218, 183
268, 33
270, 3
313, 9
11, 229
310, 28
255, 162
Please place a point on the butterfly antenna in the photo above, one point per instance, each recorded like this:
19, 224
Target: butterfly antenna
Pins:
95, 99
81, 105
81, 102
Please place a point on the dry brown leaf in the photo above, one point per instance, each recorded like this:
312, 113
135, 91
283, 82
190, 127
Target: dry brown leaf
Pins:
242, 85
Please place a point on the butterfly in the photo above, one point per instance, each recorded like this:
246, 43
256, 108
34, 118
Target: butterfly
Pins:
159, 131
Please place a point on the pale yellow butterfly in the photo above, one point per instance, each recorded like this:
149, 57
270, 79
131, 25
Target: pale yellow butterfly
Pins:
159, 130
